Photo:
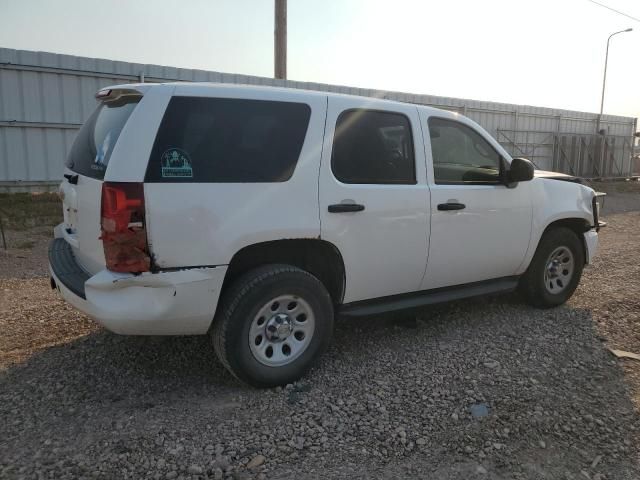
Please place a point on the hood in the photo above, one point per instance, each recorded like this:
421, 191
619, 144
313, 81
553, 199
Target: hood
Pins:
556, 176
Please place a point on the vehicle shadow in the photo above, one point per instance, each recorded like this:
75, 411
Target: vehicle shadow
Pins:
544, 375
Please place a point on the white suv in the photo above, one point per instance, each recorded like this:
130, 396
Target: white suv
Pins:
257, 214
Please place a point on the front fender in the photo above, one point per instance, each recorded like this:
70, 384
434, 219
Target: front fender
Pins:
554, 200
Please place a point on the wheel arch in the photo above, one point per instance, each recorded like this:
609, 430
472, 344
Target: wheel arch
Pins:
318, 257
564, 232
577, 225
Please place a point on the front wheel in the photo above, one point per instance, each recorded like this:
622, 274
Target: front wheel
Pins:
555, 270
272, 324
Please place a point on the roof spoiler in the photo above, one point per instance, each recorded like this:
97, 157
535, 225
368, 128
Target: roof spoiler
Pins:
115, 94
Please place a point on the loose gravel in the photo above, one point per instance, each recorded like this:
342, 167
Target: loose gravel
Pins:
477, 389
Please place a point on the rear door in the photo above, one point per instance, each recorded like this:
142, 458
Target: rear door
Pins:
374, 200
86, 166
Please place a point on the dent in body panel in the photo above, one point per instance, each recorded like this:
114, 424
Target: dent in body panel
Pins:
213, 222
562, 200
148, 304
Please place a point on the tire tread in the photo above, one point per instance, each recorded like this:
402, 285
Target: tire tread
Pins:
529, 285
234, 296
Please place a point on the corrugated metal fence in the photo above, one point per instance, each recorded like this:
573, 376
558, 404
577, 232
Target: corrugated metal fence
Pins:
45, 97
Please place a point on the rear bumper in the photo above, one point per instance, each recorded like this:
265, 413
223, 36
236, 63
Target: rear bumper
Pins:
64, 264
167, 303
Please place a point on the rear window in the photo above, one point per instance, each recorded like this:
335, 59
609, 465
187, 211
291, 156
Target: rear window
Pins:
226, 140
96, 139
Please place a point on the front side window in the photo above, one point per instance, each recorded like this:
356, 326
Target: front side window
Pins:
461, 155
227, 140
373, 147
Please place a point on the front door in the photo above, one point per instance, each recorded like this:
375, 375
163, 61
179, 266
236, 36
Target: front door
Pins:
374, 199
480, 229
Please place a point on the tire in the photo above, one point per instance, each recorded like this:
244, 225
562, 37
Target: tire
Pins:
296, 336
545, 283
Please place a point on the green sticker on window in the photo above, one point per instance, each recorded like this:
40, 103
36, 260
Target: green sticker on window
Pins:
176, 164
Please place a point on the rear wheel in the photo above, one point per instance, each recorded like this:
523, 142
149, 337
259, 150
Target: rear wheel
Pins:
272, 324
555, 270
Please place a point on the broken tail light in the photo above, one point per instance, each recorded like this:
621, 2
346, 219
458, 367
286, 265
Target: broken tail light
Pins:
123, 229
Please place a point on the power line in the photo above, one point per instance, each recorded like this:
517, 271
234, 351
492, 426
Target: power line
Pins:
614, 10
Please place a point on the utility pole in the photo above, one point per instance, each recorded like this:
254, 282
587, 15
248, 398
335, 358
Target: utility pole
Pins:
280, 39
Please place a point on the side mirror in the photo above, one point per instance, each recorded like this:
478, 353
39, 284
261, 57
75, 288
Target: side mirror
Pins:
520, 170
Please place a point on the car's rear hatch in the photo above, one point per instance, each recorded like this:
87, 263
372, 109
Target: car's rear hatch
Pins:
86, 166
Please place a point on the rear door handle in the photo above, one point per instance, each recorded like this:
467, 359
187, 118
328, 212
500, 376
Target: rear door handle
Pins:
451, 206
345, 207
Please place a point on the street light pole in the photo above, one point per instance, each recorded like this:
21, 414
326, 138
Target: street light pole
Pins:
604, 80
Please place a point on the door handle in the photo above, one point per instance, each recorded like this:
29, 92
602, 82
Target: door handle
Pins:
451, 206
345, 207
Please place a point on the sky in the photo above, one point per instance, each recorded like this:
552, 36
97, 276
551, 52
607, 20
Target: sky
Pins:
538, 52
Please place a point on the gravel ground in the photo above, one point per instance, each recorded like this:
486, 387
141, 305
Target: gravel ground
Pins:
477, 389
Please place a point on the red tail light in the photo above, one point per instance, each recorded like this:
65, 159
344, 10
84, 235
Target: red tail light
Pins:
124, 234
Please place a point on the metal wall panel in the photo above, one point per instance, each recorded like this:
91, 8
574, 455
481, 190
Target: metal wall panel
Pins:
45, 97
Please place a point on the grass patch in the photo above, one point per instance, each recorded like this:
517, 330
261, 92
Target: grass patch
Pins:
21, 211
25, 245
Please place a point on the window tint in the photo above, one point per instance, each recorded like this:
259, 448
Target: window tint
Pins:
228, 140
96, 139
373, 147
461, 155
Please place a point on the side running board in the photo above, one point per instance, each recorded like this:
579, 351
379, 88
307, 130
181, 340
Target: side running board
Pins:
408, 301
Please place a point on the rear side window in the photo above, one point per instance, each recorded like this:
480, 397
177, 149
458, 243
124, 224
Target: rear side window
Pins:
96, 139
226, 140
373, 147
